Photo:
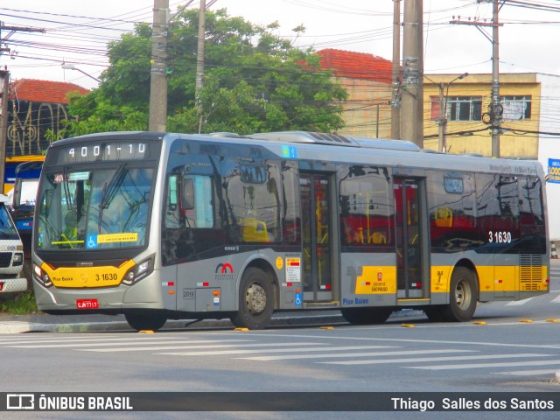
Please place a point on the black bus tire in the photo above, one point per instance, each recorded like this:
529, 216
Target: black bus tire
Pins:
256, 300
145, 320
463, 296
365, 316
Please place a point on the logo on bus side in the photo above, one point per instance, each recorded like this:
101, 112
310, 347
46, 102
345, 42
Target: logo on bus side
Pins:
224, 271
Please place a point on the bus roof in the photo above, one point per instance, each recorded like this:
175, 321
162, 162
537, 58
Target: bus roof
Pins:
298, 145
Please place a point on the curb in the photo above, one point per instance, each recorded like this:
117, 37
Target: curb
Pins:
19, 327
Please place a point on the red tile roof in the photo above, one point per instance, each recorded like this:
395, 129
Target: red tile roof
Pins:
43, 91
354, 65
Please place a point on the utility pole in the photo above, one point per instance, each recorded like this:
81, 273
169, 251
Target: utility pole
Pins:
158, 79
13, 30
396, 69
412, 102
495, 109
420, 89
200, 62
4, 88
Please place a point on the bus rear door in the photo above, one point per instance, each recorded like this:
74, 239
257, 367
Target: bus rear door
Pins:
410, 238
317, 211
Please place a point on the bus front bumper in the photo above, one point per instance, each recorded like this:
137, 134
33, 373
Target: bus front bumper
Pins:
143, 295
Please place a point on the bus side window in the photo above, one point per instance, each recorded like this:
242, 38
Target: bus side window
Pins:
197, 208
172, 219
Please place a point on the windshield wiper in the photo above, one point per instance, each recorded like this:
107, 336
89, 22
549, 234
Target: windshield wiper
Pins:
110, 190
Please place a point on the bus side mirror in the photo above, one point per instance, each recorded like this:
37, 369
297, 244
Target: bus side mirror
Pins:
187, 196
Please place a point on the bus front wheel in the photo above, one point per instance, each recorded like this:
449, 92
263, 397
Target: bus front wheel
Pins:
463, 296
145, 320
255, 300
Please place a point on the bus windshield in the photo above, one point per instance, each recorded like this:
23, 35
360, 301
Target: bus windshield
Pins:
94, 209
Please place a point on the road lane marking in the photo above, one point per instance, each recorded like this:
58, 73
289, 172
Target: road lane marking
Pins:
519, 302
426, 341
137, 339
556, 299
433, 359
201, 349
531, 372
200, 343
490, 365
264, 351
349, 355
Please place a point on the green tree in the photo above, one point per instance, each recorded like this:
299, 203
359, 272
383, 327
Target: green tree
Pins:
254, 81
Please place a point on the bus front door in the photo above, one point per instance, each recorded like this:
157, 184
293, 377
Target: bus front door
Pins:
316, 211
409, 238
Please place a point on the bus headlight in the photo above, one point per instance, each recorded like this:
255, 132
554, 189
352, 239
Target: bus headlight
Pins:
41, 276
139, 271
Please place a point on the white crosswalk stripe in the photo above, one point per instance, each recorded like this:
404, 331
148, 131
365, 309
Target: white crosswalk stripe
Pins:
121, 342
274, 350
519, 302
490, 365
531, 372
203, 350
434, 359
349, 355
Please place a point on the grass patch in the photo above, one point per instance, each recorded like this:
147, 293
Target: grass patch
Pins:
18, 303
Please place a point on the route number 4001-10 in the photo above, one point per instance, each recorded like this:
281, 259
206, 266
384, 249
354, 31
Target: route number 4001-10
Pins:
499, 237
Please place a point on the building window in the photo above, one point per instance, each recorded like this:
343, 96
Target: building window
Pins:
516, 107
464, 108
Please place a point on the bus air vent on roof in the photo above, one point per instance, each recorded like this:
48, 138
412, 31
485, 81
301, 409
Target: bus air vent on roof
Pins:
403, 145
306, 137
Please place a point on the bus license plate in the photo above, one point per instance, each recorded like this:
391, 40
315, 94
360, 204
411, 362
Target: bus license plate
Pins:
87, 304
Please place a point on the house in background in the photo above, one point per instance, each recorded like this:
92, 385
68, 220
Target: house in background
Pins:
467, 102
36, 107
367, 79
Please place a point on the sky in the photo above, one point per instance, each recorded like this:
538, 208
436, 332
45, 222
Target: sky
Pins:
77, 32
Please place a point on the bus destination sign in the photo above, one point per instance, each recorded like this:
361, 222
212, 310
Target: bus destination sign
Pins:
103, 152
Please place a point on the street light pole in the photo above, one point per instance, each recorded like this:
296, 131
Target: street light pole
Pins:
68, 66
442, 122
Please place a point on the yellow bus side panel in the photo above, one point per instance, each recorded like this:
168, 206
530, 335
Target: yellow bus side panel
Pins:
506, 279
497, 279
485, 278
377, 280
440, 278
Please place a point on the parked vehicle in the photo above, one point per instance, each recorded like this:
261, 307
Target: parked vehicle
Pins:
11, 253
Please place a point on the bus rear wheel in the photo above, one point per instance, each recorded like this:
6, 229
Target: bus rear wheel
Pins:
145, 319
255, 300
365, 316
463, 296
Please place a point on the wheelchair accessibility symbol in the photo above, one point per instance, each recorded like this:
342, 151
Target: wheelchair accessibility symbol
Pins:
91, 241
298, 301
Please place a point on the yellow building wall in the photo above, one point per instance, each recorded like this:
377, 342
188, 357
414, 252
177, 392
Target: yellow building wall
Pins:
367, 110
512, 143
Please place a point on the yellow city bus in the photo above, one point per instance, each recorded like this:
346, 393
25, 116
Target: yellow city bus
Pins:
166, 226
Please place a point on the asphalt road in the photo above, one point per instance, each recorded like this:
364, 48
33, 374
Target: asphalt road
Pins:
510, 346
